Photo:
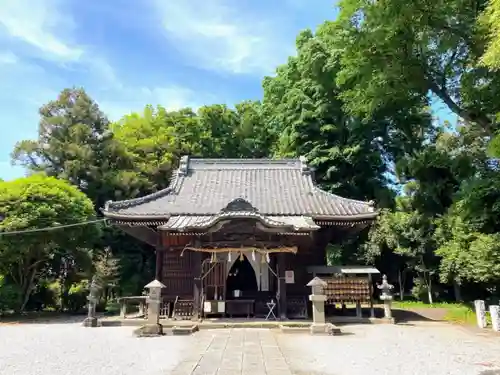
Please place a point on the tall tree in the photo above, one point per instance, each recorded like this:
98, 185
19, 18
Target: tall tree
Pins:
304, 108
394, 49
37, 202
489, 21
74, 143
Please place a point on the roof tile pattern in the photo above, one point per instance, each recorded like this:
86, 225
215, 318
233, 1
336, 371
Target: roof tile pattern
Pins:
273, 187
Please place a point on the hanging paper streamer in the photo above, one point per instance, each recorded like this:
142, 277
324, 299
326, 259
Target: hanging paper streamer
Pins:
229, 257
262, 259
241, 257
267, 258
253, 255
213, 259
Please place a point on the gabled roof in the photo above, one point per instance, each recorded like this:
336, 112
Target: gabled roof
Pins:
272, 188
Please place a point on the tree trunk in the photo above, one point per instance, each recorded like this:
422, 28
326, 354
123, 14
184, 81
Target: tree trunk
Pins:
401, 285
429, 290
457, 291
28, 284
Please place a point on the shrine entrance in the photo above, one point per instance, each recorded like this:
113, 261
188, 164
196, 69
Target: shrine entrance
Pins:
241, 280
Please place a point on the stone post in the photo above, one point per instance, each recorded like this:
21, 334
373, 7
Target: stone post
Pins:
480, 313
93, 298
495, 317
386, 296
153, 326
318, 299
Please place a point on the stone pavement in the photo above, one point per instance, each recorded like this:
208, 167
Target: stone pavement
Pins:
234, 352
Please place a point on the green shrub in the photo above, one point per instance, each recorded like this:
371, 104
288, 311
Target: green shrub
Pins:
419, 291
77, 296
112, 307
10, 295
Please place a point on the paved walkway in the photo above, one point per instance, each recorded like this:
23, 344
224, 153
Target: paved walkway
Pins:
420, 349
234, 352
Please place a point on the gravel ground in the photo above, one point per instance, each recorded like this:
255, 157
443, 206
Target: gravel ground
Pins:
430, 349
70, 349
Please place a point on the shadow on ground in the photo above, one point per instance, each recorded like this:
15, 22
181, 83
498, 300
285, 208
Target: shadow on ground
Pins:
42, 318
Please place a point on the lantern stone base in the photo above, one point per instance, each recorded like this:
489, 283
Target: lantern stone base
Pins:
91, 322
324, 329
149, 330
387, 320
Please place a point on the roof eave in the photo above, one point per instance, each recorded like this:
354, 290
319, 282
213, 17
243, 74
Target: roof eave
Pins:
364, 216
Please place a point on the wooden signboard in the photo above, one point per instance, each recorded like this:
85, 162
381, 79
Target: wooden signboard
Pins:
289, 277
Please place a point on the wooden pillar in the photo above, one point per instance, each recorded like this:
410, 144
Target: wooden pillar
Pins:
282, 305
197, 293
159, 263
370, 284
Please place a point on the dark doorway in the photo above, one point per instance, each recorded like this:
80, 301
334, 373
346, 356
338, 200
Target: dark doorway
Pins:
241, 277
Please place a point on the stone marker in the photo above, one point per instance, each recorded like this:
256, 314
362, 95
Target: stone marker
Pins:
318, 298
386, 296
480, 313
93, 298
153, 326
495, 317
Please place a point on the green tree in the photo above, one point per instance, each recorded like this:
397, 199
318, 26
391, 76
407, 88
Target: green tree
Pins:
396, 49
489, 21
304, 110
75, 144
38, 202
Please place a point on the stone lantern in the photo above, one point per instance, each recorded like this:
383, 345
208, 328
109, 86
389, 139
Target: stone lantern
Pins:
386, 296
153, 326
93, 298
318, 299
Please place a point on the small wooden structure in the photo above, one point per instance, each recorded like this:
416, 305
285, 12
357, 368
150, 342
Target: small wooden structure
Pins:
347, 285
233, 235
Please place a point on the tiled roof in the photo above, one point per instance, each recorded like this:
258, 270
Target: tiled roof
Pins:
204, 187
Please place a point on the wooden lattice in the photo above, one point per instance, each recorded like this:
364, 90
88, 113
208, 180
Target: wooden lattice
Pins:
347, 289
297, 307
183, 309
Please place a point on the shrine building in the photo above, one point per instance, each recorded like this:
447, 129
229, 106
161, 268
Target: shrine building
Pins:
233, 236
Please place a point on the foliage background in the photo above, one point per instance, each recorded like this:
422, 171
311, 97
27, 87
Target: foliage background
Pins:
354, 100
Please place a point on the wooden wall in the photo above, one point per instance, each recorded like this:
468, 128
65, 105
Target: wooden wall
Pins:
177, 273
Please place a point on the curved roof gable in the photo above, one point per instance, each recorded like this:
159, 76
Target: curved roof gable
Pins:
273, 187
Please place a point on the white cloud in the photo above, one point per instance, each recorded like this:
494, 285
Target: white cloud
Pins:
7, 57
42, 25
219, 37
131, 99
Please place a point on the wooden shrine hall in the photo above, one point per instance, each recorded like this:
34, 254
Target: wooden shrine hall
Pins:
235, 237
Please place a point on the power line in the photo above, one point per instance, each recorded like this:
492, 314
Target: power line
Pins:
47, 229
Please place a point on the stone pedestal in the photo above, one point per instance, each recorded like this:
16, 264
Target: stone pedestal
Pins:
495, 317
153, 326
318, 308
91, 322
386, 296
93, 298
318, 298
480, 313
388, 309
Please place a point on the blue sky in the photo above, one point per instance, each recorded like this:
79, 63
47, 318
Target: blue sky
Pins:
129, 53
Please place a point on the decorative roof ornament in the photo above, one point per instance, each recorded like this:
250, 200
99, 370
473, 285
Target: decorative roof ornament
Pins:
183, 165
239, 205
303, 163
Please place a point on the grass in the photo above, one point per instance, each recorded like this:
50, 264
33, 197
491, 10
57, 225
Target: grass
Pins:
458, 313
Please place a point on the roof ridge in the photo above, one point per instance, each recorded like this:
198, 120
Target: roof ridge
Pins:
110, 205
248, 160
370, 203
